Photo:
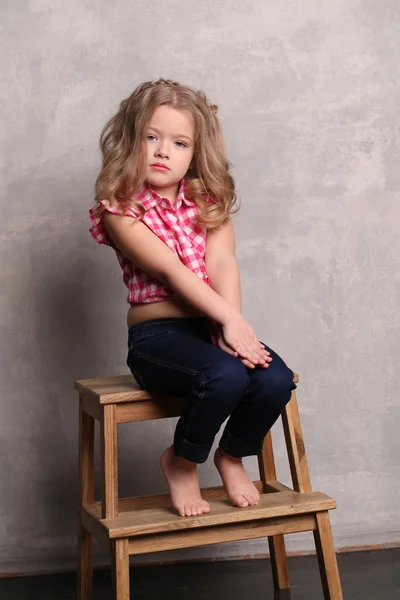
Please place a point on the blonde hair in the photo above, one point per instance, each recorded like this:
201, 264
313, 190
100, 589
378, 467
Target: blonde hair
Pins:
122, 175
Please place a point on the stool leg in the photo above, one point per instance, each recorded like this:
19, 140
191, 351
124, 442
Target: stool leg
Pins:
109, 462
276, 543
120, 569
277, 552
86, 496
327, 558
295, 446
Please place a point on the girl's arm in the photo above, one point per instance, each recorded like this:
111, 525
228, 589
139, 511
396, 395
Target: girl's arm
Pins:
223, 272
137, 242
222, 267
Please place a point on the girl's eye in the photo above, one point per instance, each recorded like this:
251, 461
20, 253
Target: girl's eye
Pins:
150, 137
181, 144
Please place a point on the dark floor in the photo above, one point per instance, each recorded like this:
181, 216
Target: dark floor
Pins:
364, 575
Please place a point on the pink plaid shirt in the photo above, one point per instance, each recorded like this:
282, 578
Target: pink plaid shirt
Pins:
174, 224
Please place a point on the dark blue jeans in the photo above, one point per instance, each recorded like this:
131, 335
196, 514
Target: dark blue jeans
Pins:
177, 357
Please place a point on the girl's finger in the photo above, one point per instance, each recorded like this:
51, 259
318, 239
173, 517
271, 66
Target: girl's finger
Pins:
256, 355
248, 364
227, 348
249, 353
264, 357
256, 360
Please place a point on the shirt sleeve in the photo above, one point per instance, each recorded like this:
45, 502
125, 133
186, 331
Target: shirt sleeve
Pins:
96, 214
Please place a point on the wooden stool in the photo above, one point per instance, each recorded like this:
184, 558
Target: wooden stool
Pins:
132, 526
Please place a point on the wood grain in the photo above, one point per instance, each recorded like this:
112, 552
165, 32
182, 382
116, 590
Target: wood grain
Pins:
110, 390
327, 558
149, 410
92, 523
109, 462
276, 543
295, 446
138, 503
277, 486
120, 570
266, 460
219, 535
156, 520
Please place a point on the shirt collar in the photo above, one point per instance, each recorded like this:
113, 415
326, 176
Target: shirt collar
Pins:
149, 198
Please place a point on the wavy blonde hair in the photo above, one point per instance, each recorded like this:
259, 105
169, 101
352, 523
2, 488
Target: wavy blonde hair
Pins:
122, 175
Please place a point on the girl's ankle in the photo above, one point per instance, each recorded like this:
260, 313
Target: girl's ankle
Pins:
221, 452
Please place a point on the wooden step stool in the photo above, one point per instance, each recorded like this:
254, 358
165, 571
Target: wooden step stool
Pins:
132, 526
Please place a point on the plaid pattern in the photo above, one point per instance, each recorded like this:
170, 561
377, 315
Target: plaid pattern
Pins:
174, 225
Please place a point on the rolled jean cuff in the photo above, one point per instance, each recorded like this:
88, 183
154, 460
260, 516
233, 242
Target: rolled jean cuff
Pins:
238, 448
193, 452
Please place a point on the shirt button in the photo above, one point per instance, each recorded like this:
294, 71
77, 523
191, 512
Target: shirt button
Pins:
200, 274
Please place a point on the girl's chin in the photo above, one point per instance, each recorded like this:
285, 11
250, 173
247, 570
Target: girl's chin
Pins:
162, 181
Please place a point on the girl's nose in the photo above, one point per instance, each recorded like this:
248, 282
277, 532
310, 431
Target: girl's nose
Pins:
162, 151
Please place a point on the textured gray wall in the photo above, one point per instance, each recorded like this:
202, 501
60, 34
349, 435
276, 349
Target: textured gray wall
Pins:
309, 96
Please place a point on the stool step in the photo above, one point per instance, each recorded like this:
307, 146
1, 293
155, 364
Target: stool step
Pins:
152, 515
117, 389
112, 390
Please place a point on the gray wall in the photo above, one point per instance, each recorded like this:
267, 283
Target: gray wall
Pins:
309, 96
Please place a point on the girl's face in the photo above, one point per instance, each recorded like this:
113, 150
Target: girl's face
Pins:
169, 140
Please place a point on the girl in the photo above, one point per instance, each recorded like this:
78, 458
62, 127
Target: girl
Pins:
164, 199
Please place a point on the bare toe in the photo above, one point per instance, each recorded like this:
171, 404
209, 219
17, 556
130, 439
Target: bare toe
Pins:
239, 487
251, 501
183, 483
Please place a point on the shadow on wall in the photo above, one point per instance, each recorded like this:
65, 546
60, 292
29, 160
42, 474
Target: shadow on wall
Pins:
78, 330
65, 319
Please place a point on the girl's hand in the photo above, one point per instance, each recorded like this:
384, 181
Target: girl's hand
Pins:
250, 351
226, 348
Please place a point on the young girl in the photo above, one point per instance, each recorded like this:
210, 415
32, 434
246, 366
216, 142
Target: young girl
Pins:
164, 199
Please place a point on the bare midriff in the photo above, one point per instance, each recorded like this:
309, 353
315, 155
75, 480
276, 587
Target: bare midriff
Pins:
174, 308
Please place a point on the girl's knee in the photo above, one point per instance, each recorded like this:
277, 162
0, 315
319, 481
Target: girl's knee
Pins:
282, 381
277, 380
229, 378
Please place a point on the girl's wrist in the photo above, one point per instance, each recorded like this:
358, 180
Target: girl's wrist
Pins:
230, 315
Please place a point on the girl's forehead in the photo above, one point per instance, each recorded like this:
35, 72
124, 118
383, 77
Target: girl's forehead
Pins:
167, 118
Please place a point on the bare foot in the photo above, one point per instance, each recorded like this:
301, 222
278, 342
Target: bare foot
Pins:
183, 483
239, 487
